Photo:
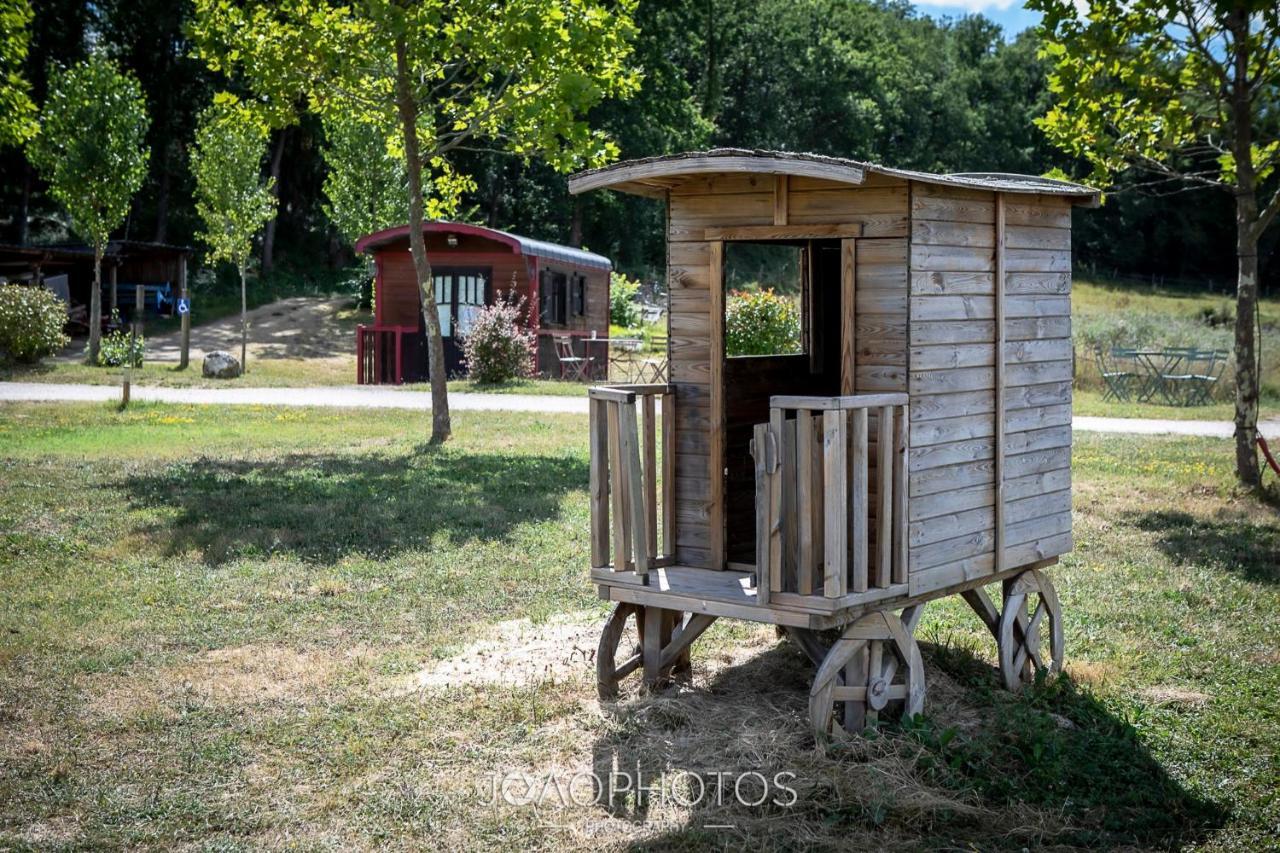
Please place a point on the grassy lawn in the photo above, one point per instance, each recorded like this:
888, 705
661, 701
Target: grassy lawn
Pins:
1088, 402
261, 628
263, 373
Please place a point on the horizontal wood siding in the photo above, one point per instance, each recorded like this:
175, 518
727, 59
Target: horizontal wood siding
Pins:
951, 378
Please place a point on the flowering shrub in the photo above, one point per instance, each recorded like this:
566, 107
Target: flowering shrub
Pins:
496, 348
624, 310
761, 322
120, 348
31, 321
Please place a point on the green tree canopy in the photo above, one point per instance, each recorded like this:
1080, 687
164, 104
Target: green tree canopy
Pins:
91, 148
231, 197
518, 76
17, 112
1181, 93
365, 186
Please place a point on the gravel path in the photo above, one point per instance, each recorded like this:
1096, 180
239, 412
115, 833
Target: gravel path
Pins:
374, 397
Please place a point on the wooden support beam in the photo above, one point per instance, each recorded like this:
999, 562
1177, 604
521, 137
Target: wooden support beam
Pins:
599, 482
835, 501
998, 445
848, 315
804, 502
715, 445
901, 508
669, 474
650, 444
884, 497
783, 232
781, 186
859, 506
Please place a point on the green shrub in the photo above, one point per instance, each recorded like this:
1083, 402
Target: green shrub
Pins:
624, 310
31, 321
120, 348
496, 348
761, 322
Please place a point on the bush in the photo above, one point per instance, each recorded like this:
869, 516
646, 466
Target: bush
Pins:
624, 310
497, 349
31, 321
761, 322
120, 348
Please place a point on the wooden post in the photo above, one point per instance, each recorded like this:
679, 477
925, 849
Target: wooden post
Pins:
669, 475
715, 445
115, 301
804, 501
124, 388
998, 444
901, 450
848, 315
650, 444
632, 483
781, 187
599, 437
764, 521
618, 490
139, 303
185, 319
777, 445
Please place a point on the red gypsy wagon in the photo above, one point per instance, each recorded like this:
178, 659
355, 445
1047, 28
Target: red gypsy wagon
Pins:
908, 438
566, 291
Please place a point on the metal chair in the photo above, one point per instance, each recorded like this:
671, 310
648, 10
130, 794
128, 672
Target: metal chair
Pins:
1195, 386
1116, 367
572, 367
654, 369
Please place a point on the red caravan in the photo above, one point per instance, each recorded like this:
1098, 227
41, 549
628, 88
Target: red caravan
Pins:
566, 291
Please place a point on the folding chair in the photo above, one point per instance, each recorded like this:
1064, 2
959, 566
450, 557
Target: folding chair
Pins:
1121, 380
572, 367
654, 369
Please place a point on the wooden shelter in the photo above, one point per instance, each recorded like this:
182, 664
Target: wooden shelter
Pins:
915, 441
566, 292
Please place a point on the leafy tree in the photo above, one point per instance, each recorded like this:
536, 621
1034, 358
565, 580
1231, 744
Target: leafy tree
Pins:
517, 76
365, 185
1184, 92
91, 148
231, 196
761, 322
17, 113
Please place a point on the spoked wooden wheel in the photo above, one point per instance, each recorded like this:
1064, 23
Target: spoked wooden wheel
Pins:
1029, 642
875, 666
621, 649
652, 638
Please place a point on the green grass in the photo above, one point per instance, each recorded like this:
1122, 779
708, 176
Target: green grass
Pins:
263, 373
208, 616
1089, 402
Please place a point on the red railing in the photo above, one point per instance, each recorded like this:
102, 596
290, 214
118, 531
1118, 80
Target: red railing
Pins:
380, 354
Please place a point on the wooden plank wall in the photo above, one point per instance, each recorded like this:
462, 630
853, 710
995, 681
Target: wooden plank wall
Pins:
881, 206
951, 377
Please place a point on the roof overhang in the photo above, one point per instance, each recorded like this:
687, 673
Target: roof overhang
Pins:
516, 243
655, 176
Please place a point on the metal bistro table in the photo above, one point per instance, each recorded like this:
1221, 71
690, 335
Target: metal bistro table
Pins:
1180, 376
623, 364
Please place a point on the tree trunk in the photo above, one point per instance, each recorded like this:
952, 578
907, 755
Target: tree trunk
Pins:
269, 230
575, 225
1246, 253
95, 306
244, 324
408, 109
1247, 378
162, 199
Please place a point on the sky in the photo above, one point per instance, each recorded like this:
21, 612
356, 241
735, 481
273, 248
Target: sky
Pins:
1007, 13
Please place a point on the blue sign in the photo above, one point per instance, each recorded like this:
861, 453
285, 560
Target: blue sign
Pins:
184, 307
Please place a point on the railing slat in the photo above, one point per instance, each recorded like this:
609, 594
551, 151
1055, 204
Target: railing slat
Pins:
618, 490
634, 486
858, 508
884, 497
901, 443
599, 484
668, 474
835, 500
804, 502
759, 448
651, 476
777, 449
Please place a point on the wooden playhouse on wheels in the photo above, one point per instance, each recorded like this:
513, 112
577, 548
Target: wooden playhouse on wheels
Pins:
912, 441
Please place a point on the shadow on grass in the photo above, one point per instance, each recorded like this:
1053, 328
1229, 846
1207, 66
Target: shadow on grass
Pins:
982, 769
322, 507
1237, 545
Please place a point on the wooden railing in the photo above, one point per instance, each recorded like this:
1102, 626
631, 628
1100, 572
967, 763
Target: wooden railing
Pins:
816, 511
380, 354
625, 477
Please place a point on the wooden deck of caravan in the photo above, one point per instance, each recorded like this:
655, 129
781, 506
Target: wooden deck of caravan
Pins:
917, 446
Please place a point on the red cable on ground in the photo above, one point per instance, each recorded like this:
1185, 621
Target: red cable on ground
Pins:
1266, 451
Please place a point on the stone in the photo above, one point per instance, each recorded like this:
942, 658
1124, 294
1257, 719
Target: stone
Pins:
221, 365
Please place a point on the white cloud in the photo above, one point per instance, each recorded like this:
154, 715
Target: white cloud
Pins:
974, 5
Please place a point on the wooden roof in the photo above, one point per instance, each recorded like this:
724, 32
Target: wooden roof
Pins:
517, 243
654, 176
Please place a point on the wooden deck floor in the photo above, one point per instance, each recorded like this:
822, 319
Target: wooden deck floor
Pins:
729, 593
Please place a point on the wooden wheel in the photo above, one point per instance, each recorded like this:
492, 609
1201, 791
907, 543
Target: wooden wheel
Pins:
621, 634
1022, 638
874, 666
652, 638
